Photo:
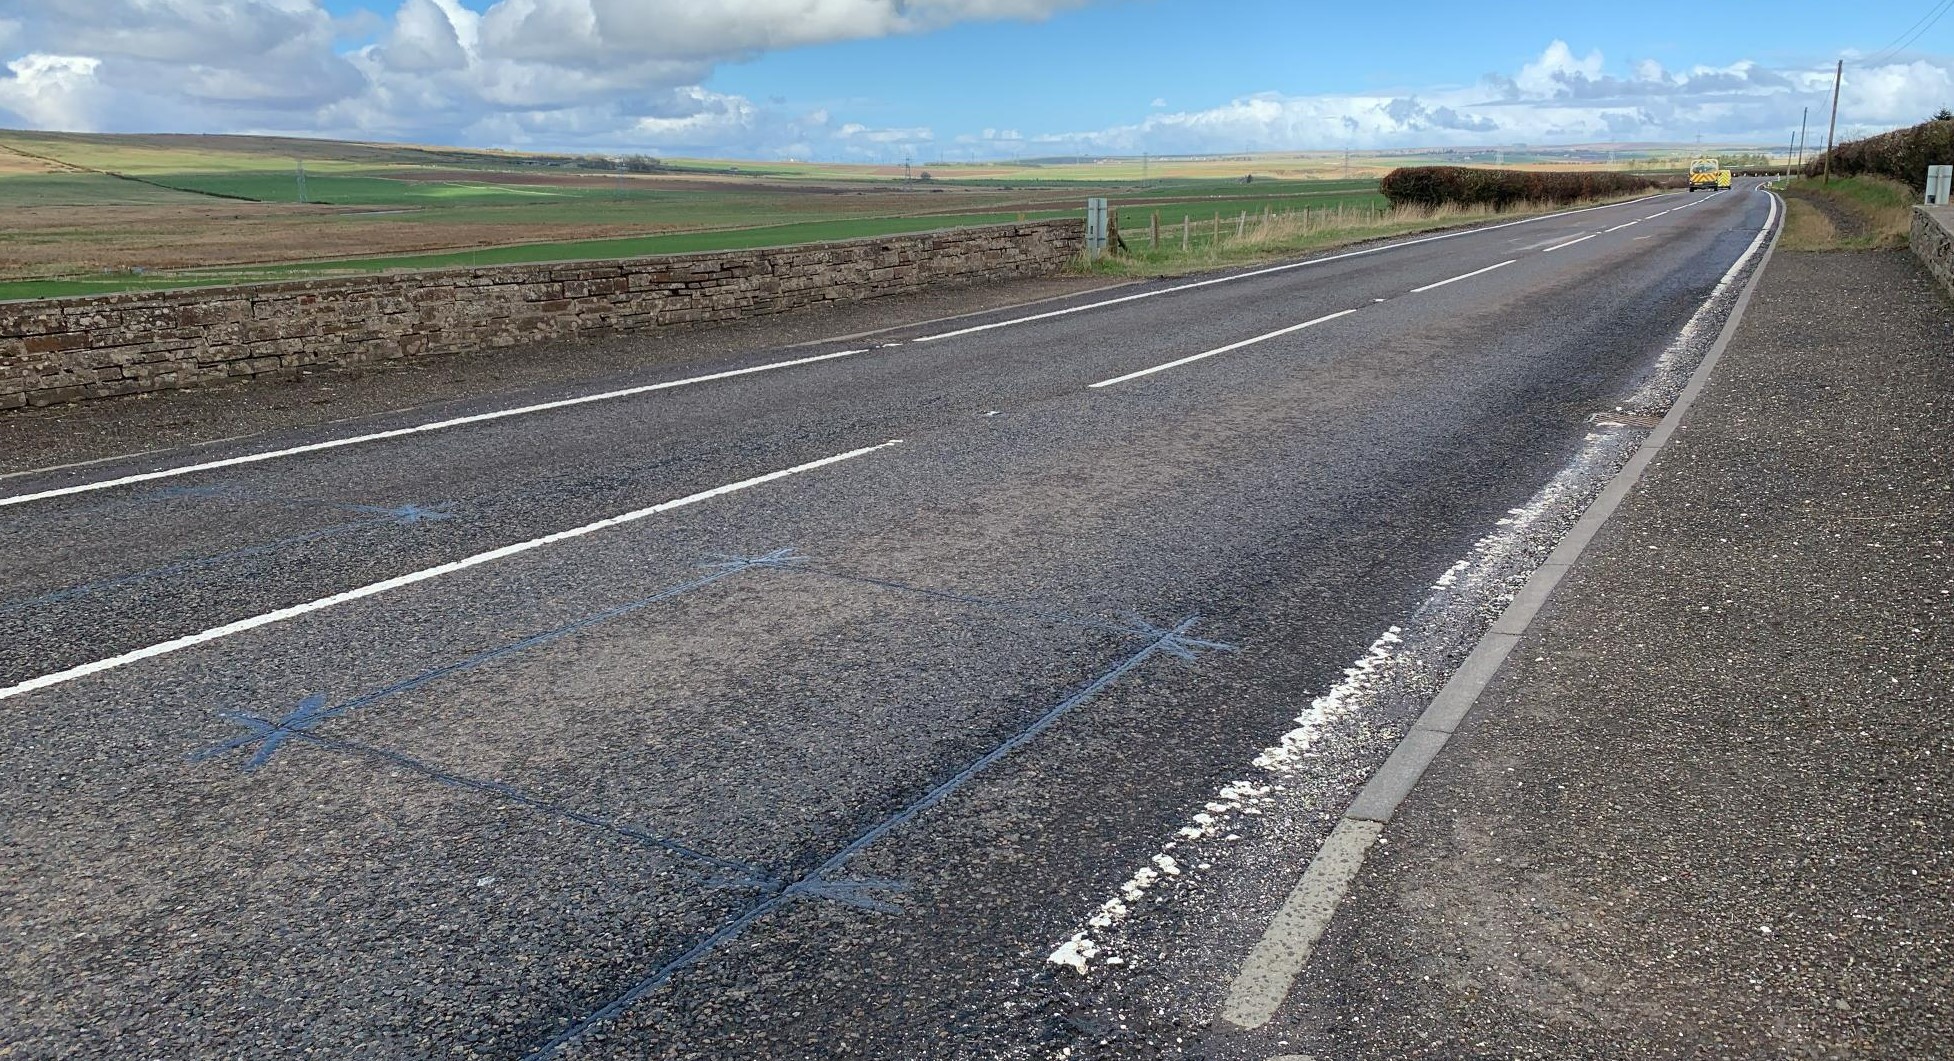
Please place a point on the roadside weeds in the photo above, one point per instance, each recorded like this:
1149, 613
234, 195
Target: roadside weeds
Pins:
1190, 244
1851, 213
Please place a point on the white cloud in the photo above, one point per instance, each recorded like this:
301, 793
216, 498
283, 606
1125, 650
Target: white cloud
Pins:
630, 75
1557, 98
425, 38
597, 74
52, 91
631, 31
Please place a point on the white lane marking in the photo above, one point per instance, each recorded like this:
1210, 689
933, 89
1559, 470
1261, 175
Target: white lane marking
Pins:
1272, 269
545, 406
1270, 969
1570, 243
1464, 276
1652, 217
376, 588
439, 425
1222, 349
1618, 228
1284, 950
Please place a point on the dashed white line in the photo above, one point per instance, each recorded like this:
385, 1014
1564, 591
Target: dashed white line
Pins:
1264, 272
1652, 217
1618, 228
439, 425
376, 588
1570, 243
1222, 349
1464, 276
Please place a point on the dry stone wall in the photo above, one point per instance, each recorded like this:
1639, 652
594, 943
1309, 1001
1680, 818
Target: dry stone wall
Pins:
1933, 241
62, 350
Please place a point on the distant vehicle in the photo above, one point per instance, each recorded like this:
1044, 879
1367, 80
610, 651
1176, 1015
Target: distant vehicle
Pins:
1707, 174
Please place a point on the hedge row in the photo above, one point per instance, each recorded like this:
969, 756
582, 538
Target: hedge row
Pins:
1430, 186
1902, 155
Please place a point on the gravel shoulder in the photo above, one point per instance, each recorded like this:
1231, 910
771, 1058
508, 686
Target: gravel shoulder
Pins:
1705, 810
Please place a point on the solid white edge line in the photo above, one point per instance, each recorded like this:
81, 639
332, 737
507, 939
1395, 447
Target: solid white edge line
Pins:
1464, 276
1570, 243
1222, 349
1274, 269
438, 425
376, 588
1265, 978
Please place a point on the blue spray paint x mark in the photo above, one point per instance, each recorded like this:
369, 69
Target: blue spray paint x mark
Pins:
825, 882
405, 515
722, 568
265, 733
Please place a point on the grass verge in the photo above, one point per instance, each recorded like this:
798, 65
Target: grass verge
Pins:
1851, 213
1219, 242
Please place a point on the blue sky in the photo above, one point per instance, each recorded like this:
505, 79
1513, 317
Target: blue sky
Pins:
880, 79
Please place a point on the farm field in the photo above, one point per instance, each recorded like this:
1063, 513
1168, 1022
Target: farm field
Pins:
100, 213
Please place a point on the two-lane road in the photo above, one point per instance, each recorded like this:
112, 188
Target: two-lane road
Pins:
797, 705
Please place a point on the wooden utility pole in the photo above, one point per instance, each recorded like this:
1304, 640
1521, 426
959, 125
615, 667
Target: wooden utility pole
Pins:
1806, 117
1838, 78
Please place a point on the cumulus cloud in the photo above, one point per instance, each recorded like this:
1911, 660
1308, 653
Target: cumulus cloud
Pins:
631, 75
599, 74
1559, 97
51, 91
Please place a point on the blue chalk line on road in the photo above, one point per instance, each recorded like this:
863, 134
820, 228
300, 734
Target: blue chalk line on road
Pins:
388, 585
404, 516
828, 880
318, 712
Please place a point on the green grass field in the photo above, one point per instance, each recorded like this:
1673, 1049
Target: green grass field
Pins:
95, 213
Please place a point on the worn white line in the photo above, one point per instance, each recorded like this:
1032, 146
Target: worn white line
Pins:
401, 432
1464, 276
1570, 243
1618, 228
1222, 349
1284, 950
1270, 969
82, 464
1271, 269
386, 585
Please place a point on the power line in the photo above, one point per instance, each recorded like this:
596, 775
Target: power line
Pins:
1910, 34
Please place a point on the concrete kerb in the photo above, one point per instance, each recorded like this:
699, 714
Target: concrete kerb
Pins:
1284, 950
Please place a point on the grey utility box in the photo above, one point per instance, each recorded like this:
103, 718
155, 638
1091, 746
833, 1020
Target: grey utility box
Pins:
1097, 221
1940, 184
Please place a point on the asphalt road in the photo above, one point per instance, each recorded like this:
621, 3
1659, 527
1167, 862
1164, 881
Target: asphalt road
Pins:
354, 752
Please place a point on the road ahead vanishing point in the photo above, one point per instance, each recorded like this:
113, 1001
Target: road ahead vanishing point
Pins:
977, 690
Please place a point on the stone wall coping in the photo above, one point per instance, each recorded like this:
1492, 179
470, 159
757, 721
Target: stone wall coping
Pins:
1932, 240
321, 285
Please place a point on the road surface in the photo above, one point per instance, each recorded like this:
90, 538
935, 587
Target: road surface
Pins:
917, 697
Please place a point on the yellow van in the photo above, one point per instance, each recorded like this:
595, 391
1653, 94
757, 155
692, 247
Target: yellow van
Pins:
1705, 173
